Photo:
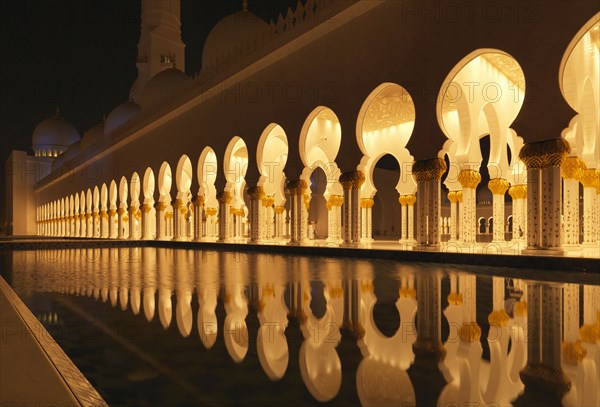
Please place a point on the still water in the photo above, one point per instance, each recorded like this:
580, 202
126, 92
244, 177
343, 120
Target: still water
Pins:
150, 326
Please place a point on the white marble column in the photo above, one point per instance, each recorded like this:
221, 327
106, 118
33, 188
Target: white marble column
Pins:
427, 173
366, 205
572, 172
351, 183
198, 202
590, 215
469, 179
453, 198
257, 218
518, 194
225, 217
498, 186
161, 222
120, 220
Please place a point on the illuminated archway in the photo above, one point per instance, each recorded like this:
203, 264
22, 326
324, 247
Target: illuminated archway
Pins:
164, 215
112, 219
103, 211
207, 175
580, 86
235, 165
134, 212
320, 140
481, 96
95, 213
123, 218
271, 156
148, 210
182, 215
384, 126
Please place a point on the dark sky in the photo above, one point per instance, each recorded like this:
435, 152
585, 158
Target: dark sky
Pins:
79, 55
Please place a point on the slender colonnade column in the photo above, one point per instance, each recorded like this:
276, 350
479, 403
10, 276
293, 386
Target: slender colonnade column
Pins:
298, 213
498, 186
351, 183
427, 173
572, 172
469, 179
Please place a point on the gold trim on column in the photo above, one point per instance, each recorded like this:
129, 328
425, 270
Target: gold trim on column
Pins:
573, 352
589, 178
279, 209
367, 202
469, 178
411, 200
573, 168
256, 192
429, 170
198, 200
546, 153
224, 197
452, 197
469, 332
352, 180
296, 187
518, 191
498, 318
498, 186
455, 299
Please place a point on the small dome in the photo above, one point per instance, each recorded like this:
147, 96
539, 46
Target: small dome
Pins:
233, 31
53, 136
163, 84
92, 136
119, 116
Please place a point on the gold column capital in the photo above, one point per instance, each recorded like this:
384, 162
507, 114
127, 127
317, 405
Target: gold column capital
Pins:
429, 170
367, 202
573, 168
469, 332
256, 192
224, 197
498, 186
498, 318
469, 178
573, 352
518, 191
352, 180
296, 187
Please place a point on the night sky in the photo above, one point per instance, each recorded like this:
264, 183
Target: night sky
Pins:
79, 55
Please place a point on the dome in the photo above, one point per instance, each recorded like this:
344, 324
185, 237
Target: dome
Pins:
119, 116
163, 84
92, 136
233, 31
52, 136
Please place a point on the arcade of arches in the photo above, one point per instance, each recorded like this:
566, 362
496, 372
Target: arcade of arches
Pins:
553, 186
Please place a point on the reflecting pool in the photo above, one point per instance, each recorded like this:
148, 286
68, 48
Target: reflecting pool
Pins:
150, 326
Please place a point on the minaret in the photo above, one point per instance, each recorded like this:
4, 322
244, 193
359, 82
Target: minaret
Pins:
160, 46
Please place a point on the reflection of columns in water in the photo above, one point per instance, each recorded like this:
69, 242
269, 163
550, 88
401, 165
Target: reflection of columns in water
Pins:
183, 287
543, 370
149, 257
469, 179
428, 296
125, 259
165, 286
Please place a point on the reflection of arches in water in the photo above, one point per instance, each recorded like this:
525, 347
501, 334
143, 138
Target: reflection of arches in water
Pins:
320, 365
271, 343
234, 327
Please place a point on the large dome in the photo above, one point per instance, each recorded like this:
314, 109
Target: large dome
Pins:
233, 31
162, 85
52, 136
119, 116
92, 136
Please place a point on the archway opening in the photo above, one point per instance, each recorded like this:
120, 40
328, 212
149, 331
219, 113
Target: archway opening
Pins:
164, 229
207, 175
236, 166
